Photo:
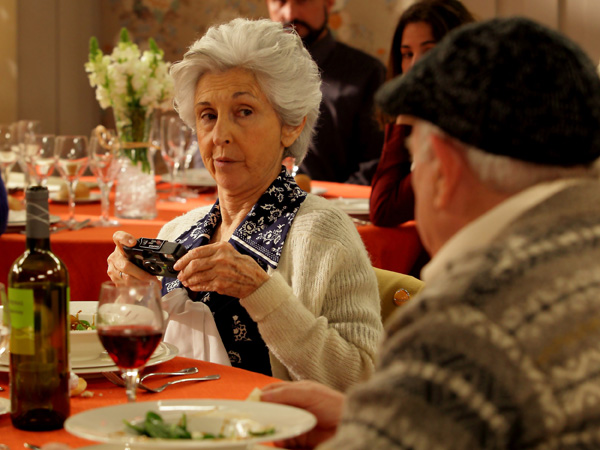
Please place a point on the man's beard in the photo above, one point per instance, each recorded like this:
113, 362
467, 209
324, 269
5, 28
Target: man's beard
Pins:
313, 33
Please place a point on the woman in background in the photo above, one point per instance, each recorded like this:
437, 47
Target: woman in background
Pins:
419, 29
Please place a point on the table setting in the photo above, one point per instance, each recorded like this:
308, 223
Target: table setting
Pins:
218, 402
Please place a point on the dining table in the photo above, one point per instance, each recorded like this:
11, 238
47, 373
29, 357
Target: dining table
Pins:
233, 384
85, 251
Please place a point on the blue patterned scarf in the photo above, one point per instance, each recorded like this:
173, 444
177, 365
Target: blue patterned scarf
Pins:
261, 235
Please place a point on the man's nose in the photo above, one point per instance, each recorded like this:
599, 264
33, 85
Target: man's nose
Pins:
289, 11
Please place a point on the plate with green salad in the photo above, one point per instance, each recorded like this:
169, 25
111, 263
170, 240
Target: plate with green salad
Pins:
186, 424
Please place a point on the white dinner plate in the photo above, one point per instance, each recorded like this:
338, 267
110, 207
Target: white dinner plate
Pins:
93, 198
18, 219
16, 180
106, 424
123, 447
103, 363
195, 178
352, 205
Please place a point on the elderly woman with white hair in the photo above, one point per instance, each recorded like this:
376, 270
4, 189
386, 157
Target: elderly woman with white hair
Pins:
284, 273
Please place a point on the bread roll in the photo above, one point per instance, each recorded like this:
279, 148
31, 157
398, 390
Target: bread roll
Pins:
15, 204
81, 191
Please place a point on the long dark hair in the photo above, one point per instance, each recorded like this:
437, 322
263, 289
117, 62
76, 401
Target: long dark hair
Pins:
441, 15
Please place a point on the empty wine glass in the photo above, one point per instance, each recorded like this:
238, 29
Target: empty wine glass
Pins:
188, 157
22, 129
176, 137
8, 155
104, 153
39, 157
71, 161
130, 327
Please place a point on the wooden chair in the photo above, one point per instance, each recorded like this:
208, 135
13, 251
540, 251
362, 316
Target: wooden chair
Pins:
395, 289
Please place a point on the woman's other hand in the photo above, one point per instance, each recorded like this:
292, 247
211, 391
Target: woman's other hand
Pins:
120, 269
220, 268
325, 403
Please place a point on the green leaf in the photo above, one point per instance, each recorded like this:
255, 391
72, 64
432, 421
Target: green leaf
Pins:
265, 432
94, 48
139, 430
153, 47
124, 37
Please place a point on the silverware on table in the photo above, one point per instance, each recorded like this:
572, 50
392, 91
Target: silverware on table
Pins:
116, 379
187, 371
31, 446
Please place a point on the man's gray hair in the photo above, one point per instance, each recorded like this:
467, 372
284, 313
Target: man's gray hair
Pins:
283, 68
502, 173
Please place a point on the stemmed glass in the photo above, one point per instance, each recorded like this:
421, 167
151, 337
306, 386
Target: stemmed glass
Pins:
130, 327
104, 152
8, 155
22, 129
176, 137
39, 157
188, 157
71, 160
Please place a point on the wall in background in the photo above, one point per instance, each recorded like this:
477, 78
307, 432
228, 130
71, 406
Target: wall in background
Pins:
47, 40
8, 60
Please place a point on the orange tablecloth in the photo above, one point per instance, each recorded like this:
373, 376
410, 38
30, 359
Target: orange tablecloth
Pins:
85, 251
234, 384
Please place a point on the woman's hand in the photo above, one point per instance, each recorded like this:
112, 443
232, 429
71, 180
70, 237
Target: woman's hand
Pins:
325, 403
220, 268
120, 269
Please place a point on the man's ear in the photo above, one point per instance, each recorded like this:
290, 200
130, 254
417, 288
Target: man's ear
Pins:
290, 133
451, 166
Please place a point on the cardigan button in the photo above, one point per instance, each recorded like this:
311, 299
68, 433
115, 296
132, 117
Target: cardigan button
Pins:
401, 296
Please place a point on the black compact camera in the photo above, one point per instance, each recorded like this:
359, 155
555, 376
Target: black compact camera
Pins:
156, 256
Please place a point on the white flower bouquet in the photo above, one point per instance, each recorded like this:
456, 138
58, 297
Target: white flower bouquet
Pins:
133, 84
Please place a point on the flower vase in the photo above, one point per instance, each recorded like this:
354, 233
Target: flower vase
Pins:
135, 183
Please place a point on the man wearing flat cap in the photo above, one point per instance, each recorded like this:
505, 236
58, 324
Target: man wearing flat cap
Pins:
502, 348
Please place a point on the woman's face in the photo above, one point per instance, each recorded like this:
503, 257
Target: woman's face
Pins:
417, 39
240, 136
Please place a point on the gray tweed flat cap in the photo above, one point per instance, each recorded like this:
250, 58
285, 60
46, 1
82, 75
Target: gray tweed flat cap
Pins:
507, 86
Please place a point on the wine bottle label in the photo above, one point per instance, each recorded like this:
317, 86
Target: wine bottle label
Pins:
20, 305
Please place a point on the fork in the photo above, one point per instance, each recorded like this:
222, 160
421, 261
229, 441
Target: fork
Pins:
116, 379
182, 380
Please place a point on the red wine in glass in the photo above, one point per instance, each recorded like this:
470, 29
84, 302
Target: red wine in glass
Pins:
130, 346
130, 326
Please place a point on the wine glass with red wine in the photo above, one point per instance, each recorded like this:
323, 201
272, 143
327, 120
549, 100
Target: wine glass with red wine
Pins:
130, 327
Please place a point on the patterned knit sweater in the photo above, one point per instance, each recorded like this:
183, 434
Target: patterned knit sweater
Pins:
319, 312
503, 352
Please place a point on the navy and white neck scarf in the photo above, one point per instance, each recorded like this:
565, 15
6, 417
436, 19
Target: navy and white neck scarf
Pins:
261, 235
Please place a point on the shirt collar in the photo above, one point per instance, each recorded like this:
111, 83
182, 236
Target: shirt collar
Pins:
322, 48
483, 230
262, 233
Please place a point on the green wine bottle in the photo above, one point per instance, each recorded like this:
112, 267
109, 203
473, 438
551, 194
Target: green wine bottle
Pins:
38, 297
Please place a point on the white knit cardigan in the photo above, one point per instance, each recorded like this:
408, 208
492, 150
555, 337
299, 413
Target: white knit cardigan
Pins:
319, 313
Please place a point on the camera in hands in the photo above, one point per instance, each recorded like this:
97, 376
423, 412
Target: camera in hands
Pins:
156, 256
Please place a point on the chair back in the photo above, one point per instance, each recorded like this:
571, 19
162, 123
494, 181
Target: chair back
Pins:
395, 289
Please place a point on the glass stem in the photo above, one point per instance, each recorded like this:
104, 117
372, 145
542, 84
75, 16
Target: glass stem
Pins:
71, 188
105, 201
173, 175
131, 377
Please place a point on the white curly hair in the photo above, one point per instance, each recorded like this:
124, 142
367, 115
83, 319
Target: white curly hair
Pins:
283, 68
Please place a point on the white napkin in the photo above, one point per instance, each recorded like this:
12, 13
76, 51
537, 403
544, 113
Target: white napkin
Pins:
192, 329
